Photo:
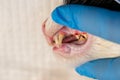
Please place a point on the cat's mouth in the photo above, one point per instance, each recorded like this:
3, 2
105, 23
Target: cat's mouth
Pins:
66, 41
76, 47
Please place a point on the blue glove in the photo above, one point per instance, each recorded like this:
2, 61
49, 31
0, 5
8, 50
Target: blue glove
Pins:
100, 22
97, 21
103, 69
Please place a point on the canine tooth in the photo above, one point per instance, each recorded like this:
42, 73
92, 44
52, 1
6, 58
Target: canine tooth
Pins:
60, 37
56, 39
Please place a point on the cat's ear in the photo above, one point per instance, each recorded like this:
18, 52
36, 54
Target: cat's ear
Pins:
118, 1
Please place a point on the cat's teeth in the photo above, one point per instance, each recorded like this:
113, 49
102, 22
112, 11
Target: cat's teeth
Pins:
83, 37
59, 38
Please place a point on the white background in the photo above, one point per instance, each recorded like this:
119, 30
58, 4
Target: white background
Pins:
24, 53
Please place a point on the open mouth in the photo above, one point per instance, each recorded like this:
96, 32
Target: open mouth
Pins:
66, 41
66, 35
76, 47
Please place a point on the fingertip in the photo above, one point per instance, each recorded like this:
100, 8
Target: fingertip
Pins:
85, 70
63, 16
59, 15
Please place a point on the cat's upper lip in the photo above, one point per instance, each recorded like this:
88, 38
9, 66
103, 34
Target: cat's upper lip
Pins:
51, 31
48, 34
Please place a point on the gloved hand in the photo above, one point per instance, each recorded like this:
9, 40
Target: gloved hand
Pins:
103, 69
97, 21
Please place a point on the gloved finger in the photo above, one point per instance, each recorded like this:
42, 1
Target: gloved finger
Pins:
63, 15
102, 69
97, 21
80, 17
83, 18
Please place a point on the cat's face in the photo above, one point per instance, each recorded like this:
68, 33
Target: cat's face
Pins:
77, 54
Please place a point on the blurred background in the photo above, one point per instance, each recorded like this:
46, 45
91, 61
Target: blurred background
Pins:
24, 53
